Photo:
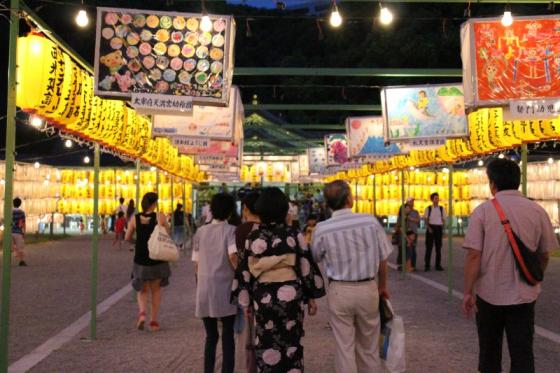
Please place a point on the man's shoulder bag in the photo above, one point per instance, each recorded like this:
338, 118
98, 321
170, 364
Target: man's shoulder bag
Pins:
528, 262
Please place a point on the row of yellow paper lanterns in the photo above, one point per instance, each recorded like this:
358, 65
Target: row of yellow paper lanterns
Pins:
108, 206
489, 133
269, 171
113, 176
53, 87
391, 207
418, 192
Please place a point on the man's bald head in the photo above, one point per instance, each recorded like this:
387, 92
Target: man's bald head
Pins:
338, 195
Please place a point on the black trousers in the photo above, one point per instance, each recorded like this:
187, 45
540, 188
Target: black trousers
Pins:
433, 237
518, 321
228, 344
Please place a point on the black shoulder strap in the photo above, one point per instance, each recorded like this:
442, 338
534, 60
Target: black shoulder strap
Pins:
429, 212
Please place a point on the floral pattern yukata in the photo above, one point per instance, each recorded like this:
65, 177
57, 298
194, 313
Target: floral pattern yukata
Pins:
278, 306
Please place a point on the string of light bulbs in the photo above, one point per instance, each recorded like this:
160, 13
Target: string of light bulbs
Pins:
385, 15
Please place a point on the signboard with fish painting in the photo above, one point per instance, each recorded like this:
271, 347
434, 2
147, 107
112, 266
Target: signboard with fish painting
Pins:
165, 53
336, 149
517, 62
317, 160
414, 112
365, 139
212, 122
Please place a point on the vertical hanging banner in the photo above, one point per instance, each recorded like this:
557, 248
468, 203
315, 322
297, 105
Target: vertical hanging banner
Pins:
365, 139
423, 112
336, 149
518, 62
317, 160
142, 52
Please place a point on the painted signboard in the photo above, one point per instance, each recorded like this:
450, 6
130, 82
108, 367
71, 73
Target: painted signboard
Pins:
317, 160
435, 111
164, 53
336, 148
365, 138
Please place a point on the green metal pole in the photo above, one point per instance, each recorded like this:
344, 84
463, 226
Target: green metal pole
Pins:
157, 188
8, 188
356, 198
172, 207
374, 197
403, 226
450, 236
95, 243
524, 152
138, 185
185, 204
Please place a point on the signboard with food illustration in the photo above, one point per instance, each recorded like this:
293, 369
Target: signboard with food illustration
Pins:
317, 160
206, 121
365, 139
336, 148
517, 62
163, 53
436, 111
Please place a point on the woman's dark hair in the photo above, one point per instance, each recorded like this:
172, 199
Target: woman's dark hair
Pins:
336, 193
179, 207
272, 206
250, 201
148, 200
222, 206
130, 209
505, 174
433, 195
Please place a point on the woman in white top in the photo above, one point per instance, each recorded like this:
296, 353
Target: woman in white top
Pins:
215, 257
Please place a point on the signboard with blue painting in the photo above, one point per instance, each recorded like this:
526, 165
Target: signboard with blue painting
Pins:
365, 138
436, 111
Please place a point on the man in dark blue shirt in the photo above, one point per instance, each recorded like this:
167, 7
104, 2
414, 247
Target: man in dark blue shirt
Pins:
18, 231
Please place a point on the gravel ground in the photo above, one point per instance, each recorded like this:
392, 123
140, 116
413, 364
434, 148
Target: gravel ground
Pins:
439, 339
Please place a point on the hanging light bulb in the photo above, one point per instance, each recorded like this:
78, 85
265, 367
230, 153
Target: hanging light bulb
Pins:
86, 159
36, 122
82, 19
507, 19
68, 143
550, 160
481, 163
335, 19
36, 165
501, 156
385, 15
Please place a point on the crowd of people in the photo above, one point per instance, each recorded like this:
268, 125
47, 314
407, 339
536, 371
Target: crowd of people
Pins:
257, 274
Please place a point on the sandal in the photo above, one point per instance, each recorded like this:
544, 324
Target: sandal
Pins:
154, 326
141, 321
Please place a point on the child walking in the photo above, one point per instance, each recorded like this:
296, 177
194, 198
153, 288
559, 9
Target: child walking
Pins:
119, 229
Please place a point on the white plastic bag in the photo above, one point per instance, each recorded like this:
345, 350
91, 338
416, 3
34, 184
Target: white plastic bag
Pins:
392, 344
161, 246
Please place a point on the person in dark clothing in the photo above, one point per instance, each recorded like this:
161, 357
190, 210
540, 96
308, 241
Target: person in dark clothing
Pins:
434, 216
148, 275
179, 226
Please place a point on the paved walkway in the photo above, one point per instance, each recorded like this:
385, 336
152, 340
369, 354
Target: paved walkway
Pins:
53, 292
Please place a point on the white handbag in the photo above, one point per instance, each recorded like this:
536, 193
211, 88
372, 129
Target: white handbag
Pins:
161, 246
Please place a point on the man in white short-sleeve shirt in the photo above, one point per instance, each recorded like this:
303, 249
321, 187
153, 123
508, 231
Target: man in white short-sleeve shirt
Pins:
504, 301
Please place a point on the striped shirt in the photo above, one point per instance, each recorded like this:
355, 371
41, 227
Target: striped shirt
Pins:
352, 245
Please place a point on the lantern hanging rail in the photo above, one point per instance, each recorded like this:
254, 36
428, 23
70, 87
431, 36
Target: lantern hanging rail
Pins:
409, 1
308, 126
349, 72
311, 107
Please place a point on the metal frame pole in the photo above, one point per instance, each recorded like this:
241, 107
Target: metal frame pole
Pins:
403, 226
8, 188
138, 185
172, 206
524, 153
95, 243
450, 236
157, 190
374, 197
